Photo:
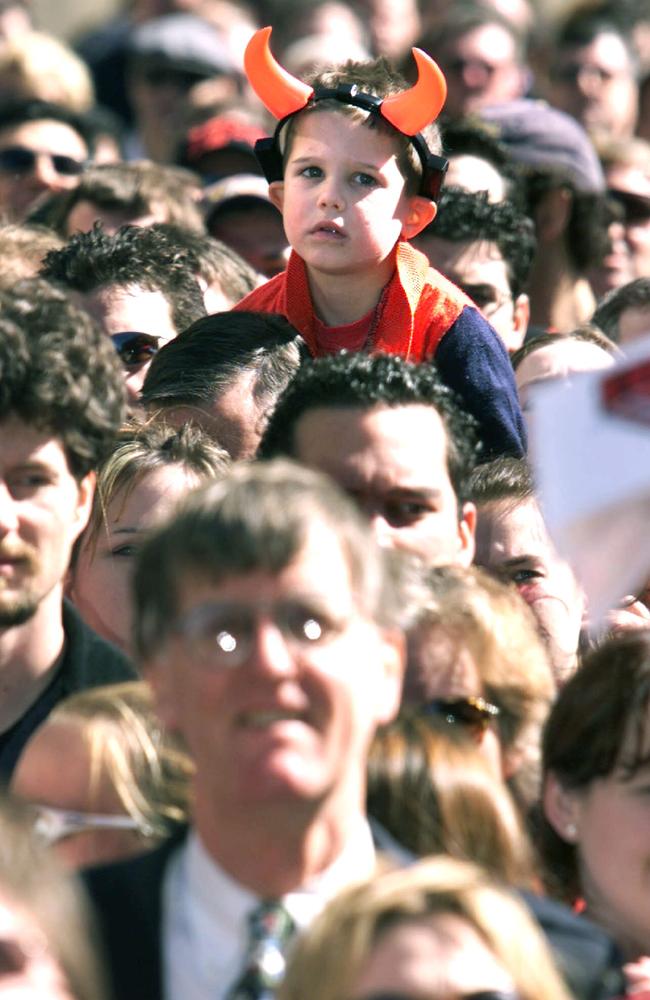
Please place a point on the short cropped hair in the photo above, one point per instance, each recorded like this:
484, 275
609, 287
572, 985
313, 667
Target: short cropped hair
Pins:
588, 332
207, 358
17, 112
466, 215
133, 256
634, 295
368, 381
59, 372
134, 188
379, 78
22, 249
503, 479
215, 261
254, 518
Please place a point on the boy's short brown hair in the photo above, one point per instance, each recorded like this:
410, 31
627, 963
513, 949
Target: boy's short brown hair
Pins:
376, 77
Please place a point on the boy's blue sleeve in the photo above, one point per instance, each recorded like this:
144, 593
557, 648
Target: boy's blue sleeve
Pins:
473, 360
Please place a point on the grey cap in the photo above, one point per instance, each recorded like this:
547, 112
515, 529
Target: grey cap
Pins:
182, 42
539, 136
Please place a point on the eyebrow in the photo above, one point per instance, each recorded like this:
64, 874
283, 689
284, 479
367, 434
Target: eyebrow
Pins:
360, 164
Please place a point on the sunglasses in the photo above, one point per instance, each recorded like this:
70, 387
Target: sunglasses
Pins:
631, 208
480, 995
22, 160
135, 349
53, 825
475, 714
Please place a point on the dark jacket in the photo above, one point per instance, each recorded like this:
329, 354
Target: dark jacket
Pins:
87, 661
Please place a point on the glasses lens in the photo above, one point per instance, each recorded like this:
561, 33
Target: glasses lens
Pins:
66, 166
635, 208
473, 713
135, 349
17, 160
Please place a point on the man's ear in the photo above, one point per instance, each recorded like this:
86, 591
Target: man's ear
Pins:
467, 535
421, 212
521, 317
561, 809
276, 194
157, 672
389, 691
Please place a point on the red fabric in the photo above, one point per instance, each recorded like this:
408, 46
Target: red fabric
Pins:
420, 305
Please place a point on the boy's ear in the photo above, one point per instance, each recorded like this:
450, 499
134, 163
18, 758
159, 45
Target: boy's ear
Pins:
421, 212
276, 194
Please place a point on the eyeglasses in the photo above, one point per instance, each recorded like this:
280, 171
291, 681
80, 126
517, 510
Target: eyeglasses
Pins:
135, 349
475, 714
21, 160
223, 635
632, 209
52, 825
486, 297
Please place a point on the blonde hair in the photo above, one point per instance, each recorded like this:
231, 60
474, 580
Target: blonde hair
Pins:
493, 623
432, 789
36, 65
342, 938
148, 768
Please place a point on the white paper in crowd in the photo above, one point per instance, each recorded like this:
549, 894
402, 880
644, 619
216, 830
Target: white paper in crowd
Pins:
590, 451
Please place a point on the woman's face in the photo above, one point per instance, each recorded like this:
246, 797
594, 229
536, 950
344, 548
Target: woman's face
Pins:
612, 834
101, 581
55, 771
440, 957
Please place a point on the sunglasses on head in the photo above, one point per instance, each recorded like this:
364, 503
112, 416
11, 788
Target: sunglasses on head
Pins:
633, 208
475, 714
22, 160
135, 348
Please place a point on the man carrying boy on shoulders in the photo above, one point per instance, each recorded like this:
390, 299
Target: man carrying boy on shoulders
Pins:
354, 168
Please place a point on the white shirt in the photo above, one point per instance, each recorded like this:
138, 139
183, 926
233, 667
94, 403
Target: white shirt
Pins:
205, 914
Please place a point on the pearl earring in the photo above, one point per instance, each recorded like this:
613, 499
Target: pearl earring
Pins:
571, 831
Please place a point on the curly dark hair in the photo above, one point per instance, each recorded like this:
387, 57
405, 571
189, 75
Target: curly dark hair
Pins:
363, 380
59, 372
468, 215
148, 257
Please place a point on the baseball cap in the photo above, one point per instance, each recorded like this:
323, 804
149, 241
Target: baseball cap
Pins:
537, 135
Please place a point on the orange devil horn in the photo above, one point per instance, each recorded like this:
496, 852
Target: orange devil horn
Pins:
411, 110
279, 91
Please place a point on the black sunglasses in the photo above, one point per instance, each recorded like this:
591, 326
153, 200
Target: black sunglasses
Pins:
475, 714
135, 349
631, 208
22, 160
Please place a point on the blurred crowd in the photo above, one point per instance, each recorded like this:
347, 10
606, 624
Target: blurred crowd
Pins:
299, 697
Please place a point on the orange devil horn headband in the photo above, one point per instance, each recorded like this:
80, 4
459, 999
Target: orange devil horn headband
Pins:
283, 94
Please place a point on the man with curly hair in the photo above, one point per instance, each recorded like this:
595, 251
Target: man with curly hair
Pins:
487, 249
61, 404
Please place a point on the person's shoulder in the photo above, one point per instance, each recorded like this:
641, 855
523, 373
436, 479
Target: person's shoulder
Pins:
90, 660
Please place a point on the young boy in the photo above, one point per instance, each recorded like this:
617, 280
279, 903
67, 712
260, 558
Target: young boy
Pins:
353, 167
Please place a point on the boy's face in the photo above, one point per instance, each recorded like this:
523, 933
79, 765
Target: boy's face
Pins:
343, 196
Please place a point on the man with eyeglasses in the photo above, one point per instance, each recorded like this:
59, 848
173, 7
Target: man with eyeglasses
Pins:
139, 285
487, 249
267, 624
43, 149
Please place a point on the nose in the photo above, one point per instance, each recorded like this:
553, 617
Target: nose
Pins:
330, 195
44, 176
270, 653
8, 514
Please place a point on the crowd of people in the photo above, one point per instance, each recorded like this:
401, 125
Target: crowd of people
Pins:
298, 696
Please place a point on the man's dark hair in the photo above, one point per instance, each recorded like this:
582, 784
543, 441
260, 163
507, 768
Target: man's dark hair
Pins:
503, 479
587, 239
367, 381
207, 358
17, 112
466, 215
585, 24
634, 295
147, 257
134, 189
215, 261
59, 372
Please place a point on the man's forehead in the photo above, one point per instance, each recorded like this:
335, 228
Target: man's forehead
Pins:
509, 529
392, 445
475, 261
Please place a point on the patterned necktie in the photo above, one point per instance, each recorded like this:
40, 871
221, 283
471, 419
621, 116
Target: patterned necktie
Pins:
270, 929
